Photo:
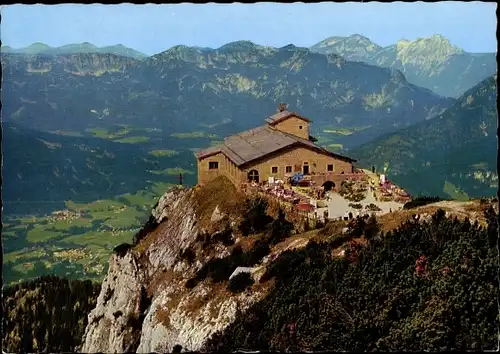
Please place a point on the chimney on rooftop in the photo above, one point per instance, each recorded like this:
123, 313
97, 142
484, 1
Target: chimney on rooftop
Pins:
282, 107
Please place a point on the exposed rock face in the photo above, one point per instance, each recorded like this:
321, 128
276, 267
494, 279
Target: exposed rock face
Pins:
185, 329
217, 215
144, 305
108, 330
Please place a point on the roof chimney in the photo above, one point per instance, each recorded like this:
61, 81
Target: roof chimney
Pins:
282, 107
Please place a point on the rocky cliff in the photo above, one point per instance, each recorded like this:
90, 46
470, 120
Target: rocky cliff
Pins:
144, 305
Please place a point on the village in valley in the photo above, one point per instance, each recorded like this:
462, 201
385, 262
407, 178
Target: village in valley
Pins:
281, 161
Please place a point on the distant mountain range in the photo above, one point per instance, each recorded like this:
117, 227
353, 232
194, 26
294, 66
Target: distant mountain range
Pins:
453, 155
220, 91
41, 48
433, 62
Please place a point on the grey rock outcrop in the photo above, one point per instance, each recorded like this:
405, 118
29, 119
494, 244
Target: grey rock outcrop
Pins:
144, 305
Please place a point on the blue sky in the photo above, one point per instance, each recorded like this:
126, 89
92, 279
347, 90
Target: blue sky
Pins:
155, 28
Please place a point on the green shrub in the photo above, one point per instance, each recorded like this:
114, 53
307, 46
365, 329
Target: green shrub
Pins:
188, 255
372, 228
259, 250
372, 207
225, 237
191, 283
240, 282
423, 287
358, 228
147, 228
220, 269
280, 229
122, 249
421, 201
255, 218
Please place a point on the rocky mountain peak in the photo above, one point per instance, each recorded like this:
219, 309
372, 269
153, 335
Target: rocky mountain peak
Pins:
360, 38
38, 45
435, 46
328, 41
243, 45
355, 47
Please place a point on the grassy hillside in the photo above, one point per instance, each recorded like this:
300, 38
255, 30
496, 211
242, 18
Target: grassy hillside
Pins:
428, 286
42, 171
76, 241
453, 155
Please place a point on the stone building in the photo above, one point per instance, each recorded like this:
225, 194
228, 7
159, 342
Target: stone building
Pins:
280, 148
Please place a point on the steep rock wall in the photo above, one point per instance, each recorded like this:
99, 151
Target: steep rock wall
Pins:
144, 305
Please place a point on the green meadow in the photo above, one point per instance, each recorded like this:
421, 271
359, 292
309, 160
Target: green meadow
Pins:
133, 140
173, 171
164, 153
193, 135
455, 193
78, 240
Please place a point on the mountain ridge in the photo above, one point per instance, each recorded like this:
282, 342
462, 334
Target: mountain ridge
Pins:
457, 148
165, 86
73, 48
431, 62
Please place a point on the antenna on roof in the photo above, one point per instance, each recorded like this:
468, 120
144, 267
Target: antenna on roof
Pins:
282, 107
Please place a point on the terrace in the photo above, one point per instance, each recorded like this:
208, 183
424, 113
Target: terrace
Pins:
347, 194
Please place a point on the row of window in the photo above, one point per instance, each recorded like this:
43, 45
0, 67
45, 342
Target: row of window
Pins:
288, 169
214, 165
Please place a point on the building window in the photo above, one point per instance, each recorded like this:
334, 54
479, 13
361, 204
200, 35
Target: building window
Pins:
288, 169
274, 169
300, 126
253, 176
213, 165
329, 168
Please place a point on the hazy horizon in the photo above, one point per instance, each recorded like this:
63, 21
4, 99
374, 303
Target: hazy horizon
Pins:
152, 28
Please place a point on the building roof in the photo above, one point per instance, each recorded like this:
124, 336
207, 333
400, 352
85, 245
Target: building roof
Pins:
282, 115
256, 143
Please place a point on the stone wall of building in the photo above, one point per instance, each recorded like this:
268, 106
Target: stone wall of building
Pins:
225, 167
296, 157
295, 126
